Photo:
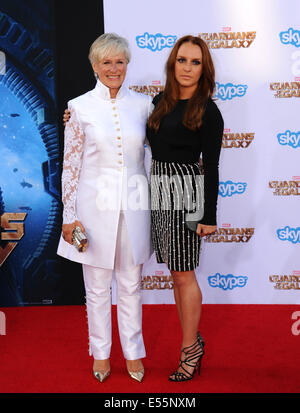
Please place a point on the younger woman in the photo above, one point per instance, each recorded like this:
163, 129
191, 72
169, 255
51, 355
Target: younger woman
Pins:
184, 124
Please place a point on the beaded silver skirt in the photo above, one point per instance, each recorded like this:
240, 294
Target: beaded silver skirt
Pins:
173, 193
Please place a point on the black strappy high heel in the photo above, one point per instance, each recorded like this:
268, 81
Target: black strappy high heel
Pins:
201, 339
193, 356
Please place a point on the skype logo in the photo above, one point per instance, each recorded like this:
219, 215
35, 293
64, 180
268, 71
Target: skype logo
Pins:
289, 234
289, 138
227, 282
230, 188
155, 42
230, 91
291, 36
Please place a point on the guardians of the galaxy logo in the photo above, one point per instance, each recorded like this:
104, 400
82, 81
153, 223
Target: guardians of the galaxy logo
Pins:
228, 40
157, 282
285, 188
231, 235
285, 282
237, 140
285, 89
150, 90
11, 231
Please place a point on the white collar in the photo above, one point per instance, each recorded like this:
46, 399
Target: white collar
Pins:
103, 91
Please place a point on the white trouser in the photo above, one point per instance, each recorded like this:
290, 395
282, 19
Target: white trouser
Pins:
129, 302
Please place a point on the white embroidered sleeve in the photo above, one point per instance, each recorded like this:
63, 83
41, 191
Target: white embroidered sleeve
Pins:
73, 151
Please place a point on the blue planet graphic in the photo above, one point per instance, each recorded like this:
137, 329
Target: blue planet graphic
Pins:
21, 177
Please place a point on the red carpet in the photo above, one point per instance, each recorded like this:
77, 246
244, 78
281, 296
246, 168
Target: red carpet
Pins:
249, 349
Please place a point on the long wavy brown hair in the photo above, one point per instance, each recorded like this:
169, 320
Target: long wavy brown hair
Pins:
196, 105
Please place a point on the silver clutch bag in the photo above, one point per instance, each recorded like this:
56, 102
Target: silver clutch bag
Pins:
192, 219
79, 239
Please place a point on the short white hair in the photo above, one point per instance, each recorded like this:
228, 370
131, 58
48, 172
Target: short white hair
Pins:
107, 44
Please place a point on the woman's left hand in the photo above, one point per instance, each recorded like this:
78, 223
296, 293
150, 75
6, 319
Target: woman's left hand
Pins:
203, 230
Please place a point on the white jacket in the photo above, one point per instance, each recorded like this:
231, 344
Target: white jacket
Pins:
104, 173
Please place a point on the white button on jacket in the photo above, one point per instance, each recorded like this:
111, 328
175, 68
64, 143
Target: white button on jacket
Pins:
99, 179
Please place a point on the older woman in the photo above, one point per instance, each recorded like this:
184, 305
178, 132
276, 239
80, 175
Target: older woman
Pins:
105, 193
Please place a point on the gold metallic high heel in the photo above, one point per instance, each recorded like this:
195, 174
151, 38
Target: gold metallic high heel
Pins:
136, 375
101, 376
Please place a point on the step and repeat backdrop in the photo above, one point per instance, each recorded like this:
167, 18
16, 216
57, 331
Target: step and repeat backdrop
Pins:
255, 255
255, 44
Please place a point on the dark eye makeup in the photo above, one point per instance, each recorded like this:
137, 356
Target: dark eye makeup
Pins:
195, 62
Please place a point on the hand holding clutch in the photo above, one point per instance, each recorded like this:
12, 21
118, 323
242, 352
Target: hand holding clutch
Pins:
192, 223
204, 230
79, 239
192, 219
74, 235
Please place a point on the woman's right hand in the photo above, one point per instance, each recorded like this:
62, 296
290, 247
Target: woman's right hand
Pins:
67, 116
67, 230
